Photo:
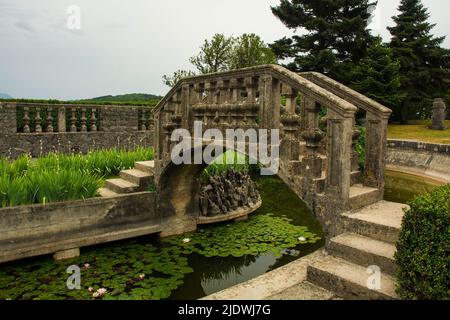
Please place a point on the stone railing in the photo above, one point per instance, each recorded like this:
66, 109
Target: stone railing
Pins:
376, 116
38, 128
315, 161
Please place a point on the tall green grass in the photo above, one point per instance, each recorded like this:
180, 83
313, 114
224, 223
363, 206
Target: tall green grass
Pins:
59, 177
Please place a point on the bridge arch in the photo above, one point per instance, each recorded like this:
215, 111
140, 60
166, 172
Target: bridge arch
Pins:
178, 191
318, 156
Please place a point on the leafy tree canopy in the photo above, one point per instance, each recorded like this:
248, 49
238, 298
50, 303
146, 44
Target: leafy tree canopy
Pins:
333, 35
223, 53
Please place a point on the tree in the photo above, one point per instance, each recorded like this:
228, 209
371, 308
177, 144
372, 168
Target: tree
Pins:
249, 50
337, 36
172, 80
424, 65
223, 53
377, 76
214, 55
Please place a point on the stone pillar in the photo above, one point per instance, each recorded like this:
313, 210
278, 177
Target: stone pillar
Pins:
376, 144
8, 121
439, 115
339, 136
185, 107
61, 119
270, 102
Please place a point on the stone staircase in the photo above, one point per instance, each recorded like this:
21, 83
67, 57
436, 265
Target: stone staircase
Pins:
369, 239
138, 179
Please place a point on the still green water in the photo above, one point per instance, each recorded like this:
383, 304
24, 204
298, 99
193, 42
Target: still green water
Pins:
403, 187
145, 268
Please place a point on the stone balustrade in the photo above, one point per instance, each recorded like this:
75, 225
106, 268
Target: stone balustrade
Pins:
39, 128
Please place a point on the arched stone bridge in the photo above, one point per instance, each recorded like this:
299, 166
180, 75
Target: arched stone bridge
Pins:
318, 159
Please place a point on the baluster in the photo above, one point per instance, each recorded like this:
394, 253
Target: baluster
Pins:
93, 126
143, 126
83, 120
38, 121
49, 120
73, 120
26, 120
234, 90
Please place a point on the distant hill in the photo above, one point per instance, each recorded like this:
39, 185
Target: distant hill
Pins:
127, 98
5, 96
132, 99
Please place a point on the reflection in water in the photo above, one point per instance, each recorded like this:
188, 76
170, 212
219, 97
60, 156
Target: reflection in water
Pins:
403, 187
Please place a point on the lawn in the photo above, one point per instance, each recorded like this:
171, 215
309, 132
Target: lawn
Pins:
418, 130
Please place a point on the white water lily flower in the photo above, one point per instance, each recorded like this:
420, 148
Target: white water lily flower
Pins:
99, 293
302, 239
142, 276
90, 289
102, 291
186, 240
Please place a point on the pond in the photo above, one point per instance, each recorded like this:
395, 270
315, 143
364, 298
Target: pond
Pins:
195, 265
403, 187
181, 267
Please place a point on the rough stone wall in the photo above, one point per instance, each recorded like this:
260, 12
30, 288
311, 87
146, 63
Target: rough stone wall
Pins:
119, 119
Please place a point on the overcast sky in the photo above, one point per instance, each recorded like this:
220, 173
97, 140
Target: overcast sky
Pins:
126, 46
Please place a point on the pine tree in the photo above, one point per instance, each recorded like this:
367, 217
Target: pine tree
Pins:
377, 76
424, 65
337, 35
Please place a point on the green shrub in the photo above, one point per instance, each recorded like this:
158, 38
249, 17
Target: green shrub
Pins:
423, 249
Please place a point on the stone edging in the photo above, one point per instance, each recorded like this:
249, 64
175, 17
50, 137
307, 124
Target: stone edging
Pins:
419, 146
419, 158
238, 213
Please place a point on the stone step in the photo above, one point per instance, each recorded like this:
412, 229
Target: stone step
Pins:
304, 291
349, 280
121, 186
364, 251
138, 177
107, 193
146, 166
361, 196
380, 221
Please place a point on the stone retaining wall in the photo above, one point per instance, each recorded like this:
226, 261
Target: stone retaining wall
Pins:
420, 158
34, 230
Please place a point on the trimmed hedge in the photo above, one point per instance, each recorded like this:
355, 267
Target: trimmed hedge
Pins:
423, 249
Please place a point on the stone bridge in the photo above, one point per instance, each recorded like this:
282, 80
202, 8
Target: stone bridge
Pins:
316, 118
